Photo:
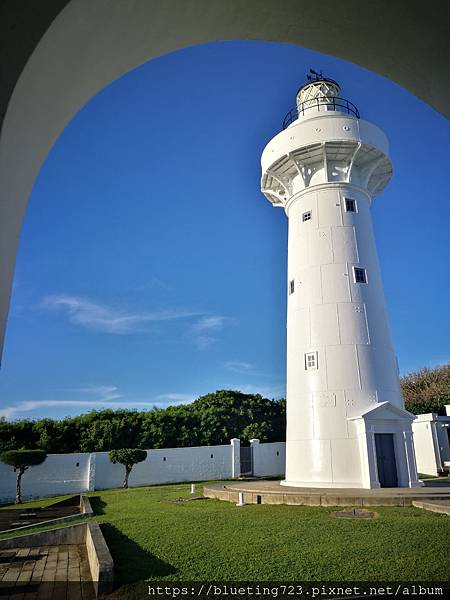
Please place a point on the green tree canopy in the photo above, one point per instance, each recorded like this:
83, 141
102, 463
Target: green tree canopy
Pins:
427, 390
260, 431
128, 457
212, 420
21, 460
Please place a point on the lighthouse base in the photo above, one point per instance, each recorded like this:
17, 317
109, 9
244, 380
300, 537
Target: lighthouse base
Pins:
272, 492
376, 452
328, 484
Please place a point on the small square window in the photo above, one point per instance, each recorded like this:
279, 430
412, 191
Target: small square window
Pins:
360, 275
350, 205
311, 360
306, 216
291, 286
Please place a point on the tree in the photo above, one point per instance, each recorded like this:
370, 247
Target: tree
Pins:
128, 457
210, 420
21, 460
260, 431
427, 390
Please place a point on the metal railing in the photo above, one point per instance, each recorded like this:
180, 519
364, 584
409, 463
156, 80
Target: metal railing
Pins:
318, 104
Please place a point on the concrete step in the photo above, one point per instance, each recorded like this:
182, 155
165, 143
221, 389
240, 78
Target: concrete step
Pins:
439, 506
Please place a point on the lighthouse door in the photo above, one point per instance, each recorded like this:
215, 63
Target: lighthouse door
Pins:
387, 467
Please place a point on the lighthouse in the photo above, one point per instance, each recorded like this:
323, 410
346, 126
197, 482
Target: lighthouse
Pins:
346, 422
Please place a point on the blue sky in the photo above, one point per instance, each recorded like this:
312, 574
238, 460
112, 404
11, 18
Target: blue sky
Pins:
152, 270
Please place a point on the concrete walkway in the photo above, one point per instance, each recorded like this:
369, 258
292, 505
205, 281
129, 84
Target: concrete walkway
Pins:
46, 573
271, 492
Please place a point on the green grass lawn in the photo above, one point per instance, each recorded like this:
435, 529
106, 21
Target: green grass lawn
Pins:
153, 537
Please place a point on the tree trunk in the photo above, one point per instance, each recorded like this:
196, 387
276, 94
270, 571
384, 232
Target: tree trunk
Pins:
127, 474
18, 491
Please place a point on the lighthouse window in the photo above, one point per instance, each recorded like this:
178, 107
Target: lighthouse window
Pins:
310, 360
359, 275
291, 286
306, 216
350, 205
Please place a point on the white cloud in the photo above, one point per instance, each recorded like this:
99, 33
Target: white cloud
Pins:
107, 398
210, 323
104, 392
205, 330
178, 398
100, 317
152, 284
238, 366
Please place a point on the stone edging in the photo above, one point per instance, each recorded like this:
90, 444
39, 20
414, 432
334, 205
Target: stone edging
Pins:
85, 512
317, 498
100, 561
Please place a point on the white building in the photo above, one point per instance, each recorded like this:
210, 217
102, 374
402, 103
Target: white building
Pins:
432, 443
346, 422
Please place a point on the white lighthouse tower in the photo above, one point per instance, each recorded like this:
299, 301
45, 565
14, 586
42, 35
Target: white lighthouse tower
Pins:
346, 422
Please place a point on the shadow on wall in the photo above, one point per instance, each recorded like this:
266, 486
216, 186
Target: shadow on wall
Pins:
131, 562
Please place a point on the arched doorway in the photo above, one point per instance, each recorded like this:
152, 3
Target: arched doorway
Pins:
89, 44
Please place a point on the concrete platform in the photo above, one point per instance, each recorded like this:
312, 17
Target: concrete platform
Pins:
271, 492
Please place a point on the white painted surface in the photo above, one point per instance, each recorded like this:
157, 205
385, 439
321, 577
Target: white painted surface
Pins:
91, 44
168, 465
431, 441
59, 474
235, 458
310, 169
268, 459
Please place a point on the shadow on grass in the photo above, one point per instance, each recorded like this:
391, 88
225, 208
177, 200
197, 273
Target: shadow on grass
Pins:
98, 505
131, 562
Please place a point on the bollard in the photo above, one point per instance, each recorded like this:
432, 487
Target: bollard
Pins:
241, 499
192, 488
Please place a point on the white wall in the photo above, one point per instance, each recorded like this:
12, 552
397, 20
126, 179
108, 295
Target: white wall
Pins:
168, 465
75, 473
431, 442
268, 459
59, 474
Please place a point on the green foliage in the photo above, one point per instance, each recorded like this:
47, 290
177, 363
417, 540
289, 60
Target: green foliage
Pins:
260, 431
427, 390
22, 459
127, 456
212, 419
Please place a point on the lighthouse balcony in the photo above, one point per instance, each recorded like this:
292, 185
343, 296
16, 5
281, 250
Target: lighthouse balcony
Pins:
320, 104
337, 161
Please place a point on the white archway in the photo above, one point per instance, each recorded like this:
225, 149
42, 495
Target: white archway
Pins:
93, 42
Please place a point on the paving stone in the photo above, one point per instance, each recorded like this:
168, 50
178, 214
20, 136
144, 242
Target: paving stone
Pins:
45, 573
